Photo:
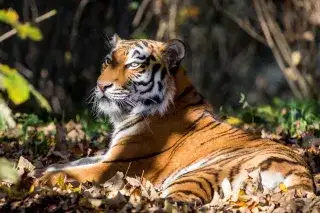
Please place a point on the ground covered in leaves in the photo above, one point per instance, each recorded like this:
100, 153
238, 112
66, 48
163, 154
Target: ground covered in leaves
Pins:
34, 144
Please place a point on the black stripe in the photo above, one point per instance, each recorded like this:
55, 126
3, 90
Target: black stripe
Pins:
163, 73
174, 70
198, 183
148, 89
153, 100
211, 187
135, 52
130, 124
152, 58
160, 86
155, 68
197, 103
188, 192
138, 45
141, 57
145, 43
272, 159
185, 92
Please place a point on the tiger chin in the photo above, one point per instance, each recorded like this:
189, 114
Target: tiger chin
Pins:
165, 130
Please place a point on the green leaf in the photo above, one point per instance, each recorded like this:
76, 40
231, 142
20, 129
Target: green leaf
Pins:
134, 5
17, 87
41, 100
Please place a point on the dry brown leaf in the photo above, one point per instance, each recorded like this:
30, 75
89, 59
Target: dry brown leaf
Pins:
25, 165
115, 183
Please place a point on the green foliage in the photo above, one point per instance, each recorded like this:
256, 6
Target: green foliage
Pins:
33, 138
93, 127
18, 88
293, 118
134, 5
25, 30
28, 120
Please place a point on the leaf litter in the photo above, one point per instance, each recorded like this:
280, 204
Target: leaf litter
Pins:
19, 192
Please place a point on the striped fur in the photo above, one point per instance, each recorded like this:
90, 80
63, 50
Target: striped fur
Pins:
164, 130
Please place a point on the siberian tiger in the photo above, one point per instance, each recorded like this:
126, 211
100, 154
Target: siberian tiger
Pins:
164, 129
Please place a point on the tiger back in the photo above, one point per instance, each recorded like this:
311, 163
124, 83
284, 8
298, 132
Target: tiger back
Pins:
165, 130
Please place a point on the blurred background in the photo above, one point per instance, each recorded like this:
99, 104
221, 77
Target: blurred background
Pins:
261, 48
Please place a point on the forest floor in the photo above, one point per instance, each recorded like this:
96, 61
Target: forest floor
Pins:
35, 144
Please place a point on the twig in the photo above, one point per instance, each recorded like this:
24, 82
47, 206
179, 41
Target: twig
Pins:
243, 24
161, 30
74, 31
34, 9
281, 51
125, 175
172, 20
273, 48
145, 23
140, 12
37, 20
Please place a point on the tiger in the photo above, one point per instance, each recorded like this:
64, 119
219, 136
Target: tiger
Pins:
164, 129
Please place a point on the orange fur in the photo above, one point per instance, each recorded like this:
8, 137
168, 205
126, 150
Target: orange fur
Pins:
186, 137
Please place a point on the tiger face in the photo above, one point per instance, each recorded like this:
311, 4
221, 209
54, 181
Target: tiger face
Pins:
136, 77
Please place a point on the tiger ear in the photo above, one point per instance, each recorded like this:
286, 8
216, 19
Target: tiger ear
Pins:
174, 52
115, 40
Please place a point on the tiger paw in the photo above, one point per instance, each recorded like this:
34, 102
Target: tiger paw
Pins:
53, 178
183, 200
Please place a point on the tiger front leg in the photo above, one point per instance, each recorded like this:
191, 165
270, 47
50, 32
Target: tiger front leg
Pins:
87, 169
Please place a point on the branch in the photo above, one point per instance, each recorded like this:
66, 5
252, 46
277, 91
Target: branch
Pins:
243, 24
140, 12
37, 20
281, 51
76, 21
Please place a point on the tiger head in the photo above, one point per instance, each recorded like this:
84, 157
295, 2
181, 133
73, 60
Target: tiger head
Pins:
136, 77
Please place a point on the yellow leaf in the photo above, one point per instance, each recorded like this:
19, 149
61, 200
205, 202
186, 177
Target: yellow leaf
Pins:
239, 203
31, 188
242, 192
22, 30
12, 16
296, 57
15, 84
34, 33
283, 187
9, 16
233, 120
60, 182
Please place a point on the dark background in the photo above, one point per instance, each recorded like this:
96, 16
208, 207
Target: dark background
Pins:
223, 59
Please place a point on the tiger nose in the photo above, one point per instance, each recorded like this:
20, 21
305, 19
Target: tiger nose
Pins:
103, 86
